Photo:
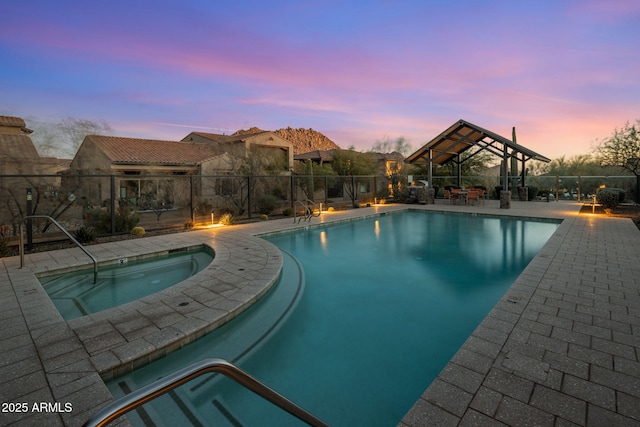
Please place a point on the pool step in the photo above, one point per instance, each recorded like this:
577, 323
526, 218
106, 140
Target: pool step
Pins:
206, 398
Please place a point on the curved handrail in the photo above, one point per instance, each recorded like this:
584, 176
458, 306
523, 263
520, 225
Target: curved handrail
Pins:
308, 211
157, 388
21, 249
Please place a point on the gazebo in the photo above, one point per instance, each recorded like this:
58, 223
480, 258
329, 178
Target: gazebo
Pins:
460, 137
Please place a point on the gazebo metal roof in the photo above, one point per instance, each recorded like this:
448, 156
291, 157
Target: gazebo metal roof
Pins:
462, 136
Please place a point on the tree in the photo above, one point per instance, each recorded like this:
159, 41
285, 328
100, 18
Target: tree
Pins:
622, 150
400, 145
65, 137
350, 164
44, 202
322, 175
243, 181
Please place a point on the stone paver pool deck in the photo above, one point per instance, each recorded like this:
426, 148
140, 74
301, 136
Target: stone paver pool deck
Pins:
562, 347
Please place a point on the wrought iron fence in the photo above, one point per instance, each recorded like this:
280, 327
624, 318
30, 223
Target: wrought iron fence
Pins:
112, 204
540, 187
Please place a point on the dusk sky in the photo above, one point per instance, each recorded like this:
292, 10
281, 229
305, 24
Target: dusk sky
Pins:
565, 73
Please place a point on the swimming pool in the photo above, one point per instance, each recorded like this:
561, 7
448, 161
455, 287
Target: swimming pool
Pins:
74, 294
387, 302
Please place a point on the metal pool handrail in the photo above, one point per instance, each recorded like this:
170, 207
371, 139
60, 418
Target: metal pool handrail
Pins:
157, 388
308, 211
21, 249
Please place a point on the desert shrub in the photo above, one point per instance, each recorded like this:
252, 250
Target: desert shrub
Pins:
287, 212
125, 220
226, 219
227, 210
188, 225
266, 203
85, 234
532, 193
619, 192
331, 209
264, 217
608, 199
401, 196
137, 231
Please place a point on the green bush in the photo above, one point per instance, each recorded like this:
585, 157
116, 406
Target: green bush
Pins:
264, 217
137, 231
85, 234
287, 212
401, 196
125, 220
619, 192
608, 199
266, 203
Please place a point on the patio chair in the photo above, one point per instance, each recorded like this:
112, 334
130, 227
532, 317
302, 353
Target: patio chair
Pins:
447, 195
456, 195
473, 196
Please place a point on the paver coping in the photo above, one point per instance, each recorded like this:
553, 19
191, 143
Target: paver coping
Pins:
561, 347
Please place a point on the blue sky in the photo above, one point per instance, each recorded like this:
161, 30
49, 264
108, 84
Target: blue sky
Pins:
564, 73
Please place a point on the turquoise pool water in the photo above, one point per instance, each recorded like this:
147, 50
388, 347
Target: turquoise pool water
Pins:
74, 294
386, 303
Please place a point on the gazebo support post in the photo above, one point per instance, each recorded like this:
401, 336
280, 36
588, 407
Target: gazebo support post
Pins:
505, 194
459, 170
430, 169
462, 135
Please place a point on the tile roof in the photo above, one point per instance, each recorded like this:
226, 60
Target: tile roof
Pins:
318, 155
211, 136
228, 138
149, 151
12, 121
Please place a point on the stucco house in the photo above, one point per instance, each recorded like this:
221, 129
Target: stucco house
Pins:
18, 155
147, 172
316, 156
265, 144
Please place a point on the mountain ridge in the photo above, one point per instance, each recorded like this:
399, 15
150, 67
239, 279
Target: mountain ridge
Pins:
303, 140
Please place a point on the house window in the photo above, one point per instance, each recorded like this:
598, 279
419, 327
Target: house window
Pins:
146, 194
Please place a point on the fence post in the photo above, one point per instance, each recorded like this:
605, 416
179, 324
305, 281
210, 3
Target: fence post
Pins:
326, 190
192, 208
249, 196
354, 196
112, 182
29, 221
579, 189
291, 187
375, 188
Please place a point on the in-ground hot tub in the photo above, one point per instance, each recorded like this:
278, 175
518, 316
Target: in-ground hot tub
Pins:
74, 294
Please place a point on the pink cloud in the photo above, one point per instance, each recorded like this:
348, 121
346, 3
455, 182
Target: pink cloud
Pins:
561, 81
